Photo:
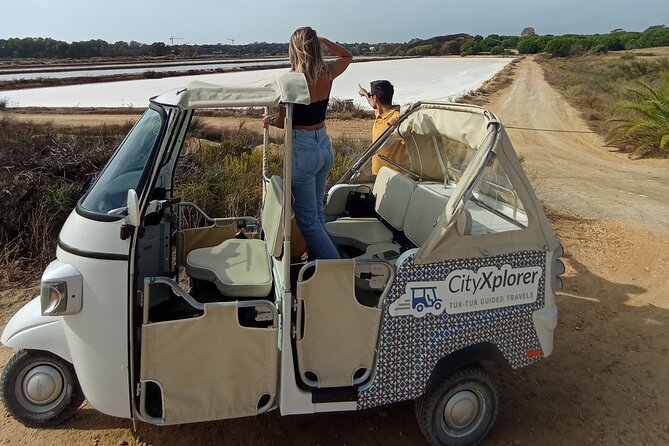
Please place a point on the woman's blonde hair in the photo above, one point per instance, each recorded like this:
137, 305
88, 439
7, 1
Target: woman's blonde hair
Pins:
305, 54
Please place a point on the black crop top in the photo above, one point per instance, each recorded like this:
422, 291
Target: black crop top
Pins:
311, 114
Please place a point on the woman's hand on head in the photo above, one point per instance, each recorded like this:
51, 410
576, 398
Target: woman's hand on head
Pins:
267, 120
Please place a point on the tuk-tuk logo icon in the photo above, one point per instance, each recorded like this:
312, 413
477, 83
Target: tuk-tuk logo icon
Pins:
418, 301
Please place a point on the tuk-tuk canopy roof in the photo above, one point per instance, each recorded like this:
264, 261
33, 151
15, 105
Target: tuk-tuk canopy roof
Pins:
428, 126
288, 87
466, 124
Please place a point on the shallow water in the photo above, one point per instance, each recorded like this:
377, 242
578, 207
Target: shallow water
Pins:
414, 79
95, 70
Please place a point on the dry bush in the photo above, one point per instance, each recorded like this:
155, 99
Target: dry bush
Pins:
347, 109
224, 178
44, 171
587, 101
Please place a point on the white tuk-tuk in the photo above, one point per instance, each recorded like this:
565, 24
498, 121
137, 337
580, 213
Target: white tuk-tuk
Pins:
153, 321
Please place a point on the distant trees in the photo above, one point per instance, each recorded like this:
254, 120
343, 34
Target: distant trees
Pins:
528, 43
574, 45
420, 50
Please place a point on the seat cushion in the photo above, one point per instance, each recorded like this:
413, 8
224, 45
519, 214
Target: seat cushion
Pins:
393, 192
238, 267
358, 232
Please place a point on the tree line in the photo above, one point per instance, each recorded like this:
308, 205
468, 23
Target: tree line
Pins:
575, 45
454, 44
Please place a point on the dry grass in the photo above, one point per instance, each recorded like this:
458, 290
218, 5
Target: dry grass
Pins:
43, 171
598, 85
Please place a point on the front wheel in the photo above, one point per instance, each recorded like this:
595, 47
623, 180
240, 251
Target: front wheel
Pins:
459, 411
40, 389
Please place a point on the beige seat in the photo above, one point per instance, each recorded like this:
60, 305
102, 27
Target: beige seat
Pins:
393, 192
425, 207
238, 267
427, 204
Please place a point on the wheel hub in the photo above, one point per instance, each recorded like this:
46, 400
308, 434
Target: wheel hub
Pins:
42, 385
461, 409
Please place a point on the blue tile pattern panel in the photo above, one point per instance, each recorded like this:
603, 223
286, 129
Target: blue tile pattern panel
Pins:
410, 346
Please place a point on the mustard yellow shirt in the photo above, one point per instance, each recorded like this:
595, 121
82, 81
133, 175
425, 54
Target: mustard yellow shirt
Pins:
381, 121
396, 150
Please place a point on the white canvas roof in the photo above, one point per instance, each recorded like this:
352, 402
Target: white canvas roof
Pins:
288, 87
478, 129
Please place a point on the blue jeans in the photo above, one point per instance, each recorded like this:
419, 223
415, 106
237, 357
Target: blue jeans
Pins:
312, 160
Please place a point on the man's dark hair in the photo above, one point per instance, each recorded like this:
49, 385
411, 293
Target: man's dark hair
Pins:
383, 90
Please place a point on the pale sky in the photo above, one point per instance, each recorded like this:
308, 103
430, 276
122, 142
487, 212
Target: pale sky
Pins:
372, 21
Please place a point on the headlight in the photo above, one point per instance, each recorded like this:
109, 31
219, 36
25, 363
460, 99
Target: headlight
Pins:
54, 298
61, 291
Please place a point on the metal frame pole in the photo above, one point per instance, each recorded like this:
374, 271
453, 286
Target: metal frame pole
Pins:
287, 193
265, 158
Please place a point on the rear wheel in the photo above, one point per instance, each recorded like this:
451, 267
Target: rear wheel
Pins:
40, 389
459, 411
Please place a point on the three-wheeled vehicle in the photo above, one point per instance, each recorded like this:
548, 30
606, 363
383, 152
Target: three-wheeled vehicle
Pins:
152, 320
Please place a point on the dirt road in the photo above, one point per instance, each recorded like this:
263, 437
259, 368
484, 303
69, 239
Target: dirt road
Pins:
606, 382
570, 166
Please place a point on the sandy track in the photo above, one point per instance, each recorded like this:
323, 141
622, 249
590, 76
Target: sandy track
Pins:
571, 168
606, 382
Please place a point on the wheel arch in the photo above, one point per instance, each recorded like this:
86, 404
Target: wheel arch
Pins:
485, 354
29, 330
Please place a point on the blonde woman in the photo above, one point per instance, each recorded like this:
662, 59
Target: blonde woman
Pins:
312, 149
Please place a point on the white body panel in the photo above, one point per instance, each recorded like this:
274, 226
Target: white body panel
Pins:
97, 336
28, 329
93, 236
545, 320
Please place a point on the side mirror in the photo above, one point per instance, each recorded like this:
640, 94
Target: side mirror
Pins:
131, 214
133, 208
130, 210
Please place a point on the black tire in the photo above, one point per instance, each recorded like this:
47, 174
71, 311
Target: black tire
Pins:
460, 410
24, 379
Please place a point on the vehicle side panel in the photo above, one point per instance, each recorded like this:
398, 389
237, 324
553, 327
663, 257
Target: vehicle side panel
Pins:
97, 336
411, 343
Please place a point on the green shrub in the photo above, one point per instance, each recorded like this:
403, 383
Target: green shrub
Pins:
643, 122
497, 50
420, 50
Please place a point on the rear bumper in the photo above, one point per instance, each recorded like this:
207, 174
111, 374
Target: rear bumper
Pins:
545, 321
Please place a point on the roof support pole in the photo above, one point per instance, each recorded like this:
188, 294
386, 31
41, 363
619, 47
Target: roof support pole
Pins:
287, 194
265, 155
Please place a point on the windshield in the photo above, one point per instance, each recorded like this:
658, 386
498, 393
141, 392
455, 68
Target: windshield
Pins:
126, 167
495, 202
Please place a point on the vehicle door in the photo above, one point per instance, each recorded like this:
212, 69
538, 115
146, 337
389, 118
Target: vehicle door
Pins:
197, 360
338, 315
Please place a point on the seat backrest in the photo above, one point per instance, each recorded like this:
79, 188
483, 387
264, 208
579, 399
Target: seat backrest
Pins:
272, 216
272, 222
425, 207
393, 193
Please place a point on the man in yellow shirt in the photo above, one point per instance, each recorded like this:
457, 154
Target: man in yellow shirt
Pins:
380, 97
